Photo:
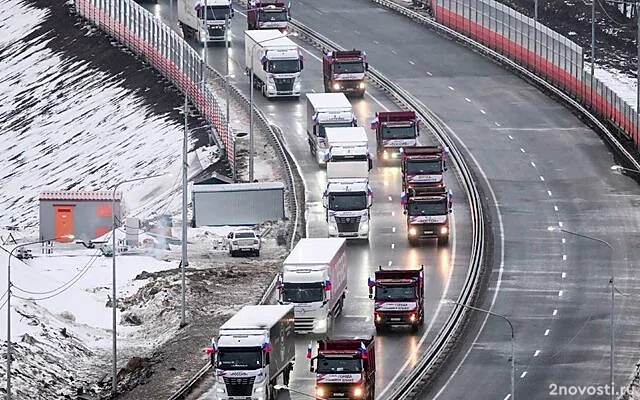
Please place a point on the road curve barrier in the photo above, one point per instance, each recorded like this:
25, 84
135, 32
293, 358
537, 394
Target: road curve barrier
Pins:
429, 364
164, 49
541, 55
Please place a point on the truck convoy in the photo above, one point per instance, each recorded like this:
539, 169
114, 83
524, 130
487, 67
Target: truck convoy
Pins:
191, 15
314, 280
427, 210
268, 15
348, 196
399, 298
326, 110
275, 61
423, 166
395, 130
344, 71
253, 348
346, 368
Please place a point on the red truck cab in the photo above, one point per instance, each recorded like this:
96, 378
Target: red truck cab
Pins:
427, 210
395, 131
345, 71
346, 368
266, 14
423, 166
399, 298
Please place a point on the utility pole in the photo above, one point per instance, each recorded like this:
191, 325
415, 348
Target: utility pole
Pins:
183, 259
226, 80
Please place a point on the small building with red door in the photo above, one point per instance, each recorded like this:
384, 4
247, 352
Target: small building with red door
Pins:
83, 214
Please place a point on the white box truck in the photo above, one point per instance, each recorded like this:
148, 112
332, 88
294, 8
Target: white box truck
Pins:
348, 196
276, 62
326, 110
253, 348
314, 280
191, 15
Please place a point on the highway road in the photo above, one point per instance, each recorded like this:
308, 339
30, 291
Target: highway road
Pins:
445, 268
541, 167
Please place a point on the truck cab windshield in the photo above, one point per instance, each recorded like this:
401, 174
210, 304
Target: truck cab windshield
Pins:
352, 201
424, 167
339, 365
398, 132
272, 16
395, 293
283, 66
214, 13
239, 358
354, 67
302, 292
322, 133
417, 209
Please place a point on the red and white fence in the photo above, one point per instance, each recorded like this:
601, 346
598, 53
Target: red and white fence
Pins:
543, 51
166, 51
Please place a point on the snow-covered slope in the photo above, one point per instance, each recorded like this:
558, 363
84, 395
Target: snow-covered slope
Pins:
66, 125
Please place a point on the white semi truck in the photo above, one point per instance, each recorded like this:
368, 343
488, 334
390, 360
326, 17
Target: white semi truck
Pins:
348, 196
253, 348
314, 280
191, 14
276, 62
326, 110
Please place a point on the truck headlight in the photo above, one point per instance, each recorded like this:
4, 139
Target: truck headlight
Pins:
271, 88
358, 392
336, 86
412, 318
259, 389
203, 36
321, 326
364, 226
296, 85
385, 155
444, 230
413, 231
361, 85
220, 389
332, 228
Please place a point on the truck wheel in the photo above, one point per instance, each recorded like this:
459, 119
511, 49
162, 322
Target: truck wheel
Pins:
413, 242
286, 375
380, 329
443, 241
272, 394
415, 328
257, 253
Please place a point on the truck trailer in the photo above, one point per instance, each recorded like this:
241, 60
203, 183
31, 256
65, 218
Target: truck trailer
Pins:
348, 196
192, 13
326, 110
275, 61
253, 348
423, 166
346, 368
344, 71
314, 280
399, 298
268, 15
395, 130
427, 210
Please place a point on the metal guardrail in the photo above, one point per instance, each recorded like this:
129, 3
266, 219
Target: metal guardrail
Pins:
524, 72
454, 326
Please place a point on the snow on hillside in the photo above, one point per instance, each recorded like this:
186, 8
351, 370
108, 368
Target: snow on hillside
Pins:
66, 125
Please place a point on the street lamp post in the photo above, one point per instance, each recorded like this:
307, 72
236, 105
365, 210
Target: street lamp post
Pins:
251, 101
114, 305
9, 345
611, 282
513, 356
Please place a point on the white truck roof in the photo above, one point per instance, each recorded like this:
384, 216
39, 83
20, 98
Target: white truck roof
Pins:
348, 170
259, 35
314, 251
328, 101
348, 136
341, 186
216, 3
256, 317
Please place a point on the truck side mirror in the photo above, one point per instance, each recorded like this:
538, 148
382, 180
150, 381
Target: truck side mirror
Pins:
301, 65
264, 66
370, 163
325, 202
366, 66
230, 235
404, 211
311, 368
371, 292
369, 201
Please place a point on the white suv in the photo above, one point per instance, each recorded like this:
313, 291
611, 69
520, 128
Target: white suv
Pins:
245, 240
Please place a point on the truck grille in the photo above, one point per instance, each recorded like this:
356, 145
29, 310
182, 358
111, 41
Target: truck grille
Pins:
303, 325
338, 390
427, 229
216, 31
239, 386
348, 224
284, 84
350, 84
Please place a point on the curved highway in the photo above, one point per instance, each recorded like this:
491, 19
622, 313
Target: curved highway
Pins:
445, 268
541, 167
